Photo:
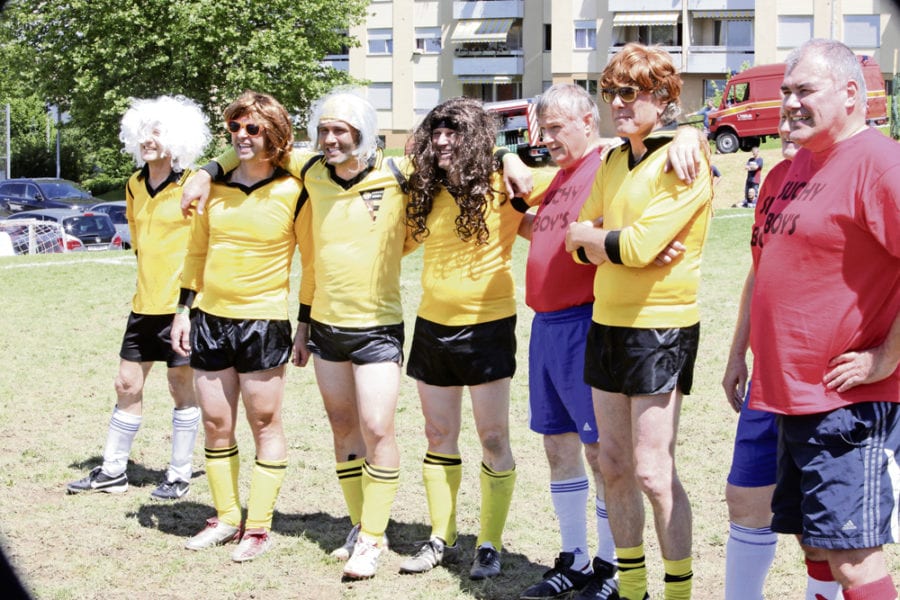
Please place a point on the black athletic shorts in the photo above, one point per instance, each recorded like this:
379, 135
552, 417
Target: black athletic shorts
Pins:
640, 362
359, 345
148, 339
248, 345
446, 355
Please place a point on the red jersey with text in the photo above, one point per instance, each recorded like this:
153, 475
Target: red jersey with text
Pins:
763, 224
553, 281
828, 279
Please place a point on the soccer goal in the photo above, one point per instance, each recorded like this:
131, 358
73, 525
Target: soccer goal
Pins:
30, 236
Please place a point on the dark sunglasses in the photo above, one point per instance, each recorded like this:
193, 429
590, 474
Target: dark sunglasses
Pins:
627, 94
252, 129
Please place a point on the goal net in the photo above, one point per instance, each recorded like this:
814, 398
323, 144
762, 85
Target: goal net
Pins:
30, 236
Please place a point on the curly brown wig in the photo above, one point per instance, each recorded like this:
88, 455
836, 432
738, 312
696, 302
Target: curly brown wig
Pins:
267, 111
469, 178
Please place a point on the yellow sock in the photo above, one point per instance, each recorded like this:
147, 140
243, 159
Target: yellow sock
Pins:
350, 477
632, 572
222, 468
265, 483
496, 496
442, 474
379, 486
679, 577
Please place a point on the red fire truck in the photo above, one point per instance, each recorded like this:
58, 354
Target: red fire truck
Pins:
518, 129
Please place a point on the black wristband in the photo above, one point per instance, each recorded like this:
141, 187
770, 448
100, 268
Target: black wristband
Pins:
213, 168
611, 245
303, 315
186, 297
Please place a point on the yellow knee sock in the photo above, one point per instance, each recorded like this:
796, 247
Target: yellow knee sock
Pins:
265, 484
442, 474
379, 486
496, 496
678, 579
222, 468
349, 475
632, 572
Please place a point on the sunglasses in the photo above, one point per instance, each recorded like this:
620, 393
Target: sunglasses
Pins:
627, 94
252, 129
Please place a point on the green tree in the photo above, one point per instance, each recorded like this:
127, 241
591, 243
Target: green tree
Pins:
90, 56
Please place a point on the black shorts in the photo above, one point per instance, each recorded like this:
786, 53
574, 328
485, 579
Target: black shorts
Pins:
247, 345
640, 362
148, 339
446, 355
359, 345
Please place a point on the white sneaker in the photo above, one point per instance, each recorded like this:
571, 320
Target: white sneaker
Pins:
214, 534
364, 560
254, 544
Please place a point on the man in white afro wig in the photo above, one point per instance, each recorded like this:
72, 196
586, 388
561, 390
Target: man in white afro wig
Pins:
165, 136
177, 124
345, 105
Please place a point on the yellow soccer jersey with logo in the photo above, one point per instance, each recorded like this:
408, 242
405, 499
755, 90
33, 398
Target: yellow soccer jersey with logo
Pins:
240, 250
159, 236
465, 283
359, 235
649, 208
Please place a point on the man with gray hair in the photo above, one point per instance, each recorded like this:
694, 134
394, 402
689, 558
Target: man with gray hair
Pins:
560, 292
825, 315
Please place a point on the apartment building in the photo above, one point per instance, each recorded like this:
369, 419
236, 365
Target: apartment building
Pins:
416, 53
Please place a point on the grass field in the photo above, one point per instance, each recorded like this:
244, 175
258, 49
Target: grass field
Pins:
64, 317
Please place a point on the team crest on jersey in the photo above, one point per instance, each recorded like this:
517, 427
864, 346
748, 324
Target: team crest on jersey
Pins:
372, 199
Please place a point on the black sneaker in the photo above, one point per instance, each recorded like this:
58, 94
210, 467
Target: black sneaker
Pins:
98, 481
603, 584
486, 563
171, 490
558, 581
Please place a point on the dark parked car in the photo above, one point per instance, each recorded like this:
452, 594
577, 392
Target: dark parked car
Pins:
116, 211
17, 195
93, 231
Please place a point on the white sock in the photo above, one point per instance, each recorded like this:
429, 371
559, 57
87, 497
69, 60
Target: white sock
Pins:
749, 553
569, 501
123, 427
822, 590
606, 546
185, 423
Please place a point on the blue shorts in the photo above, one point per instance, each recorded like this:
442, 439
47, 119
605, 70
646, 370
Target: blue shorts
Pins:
838, 476
560, 400
755, 457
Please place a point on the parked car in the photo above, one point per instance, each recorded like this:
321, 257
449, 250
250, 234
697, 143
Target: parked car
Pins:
116, 211
17, 195
94, 231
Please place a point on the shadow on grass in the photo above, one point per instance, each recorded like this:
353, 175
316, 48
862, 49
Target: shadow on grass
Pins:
185, 518
139, 476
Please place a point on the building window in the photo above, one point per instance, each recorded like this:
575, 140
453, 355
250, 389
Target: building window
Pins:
380, 41
426, 96
585, 35
381, 96
734, 33
493, 92
862, 31
793, 30
590, 85
649, 35
548, 37
428, 40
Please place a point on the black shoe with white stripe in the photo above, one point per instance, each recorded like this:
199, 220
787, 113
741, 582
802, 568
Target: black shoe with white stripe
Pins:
603, 584
558, 581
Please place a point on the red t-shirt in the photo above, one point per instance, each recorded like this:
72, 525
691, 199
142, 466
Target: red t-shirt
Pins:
767, 193
553, 281
828, 277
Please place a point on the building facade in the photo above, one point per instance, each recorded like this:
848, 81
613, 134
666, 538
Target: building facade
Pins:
417, 53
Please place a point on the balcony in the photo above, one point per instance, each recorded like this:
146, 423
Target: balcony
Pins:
489, 65
718, 59
721, 4
644, 5
489, 9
